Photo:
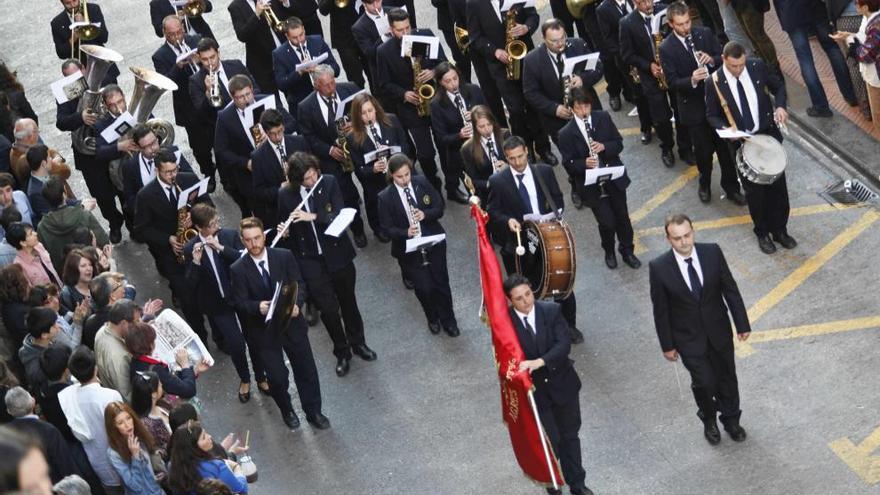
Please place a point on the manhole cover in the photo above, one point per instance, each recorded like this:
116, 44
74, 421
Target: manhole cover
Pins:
849, 192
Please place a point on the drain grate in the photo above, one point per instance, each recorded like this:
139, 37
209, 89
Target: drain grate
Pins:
849, 192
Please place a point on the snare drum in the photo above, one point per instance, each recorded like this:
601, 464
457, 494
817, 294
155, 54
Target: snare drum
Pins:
761, 159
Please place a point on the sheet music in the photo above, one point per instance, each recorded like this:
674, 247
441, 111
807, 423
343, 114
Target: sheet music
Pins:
593, 175
657, 21
311, 63
375, 154
413, 244
341, 222
408, 40
119, 127
198, 189
570, 62
185, 55
267, 103
340, 108
273, 302
68, 88
732, 134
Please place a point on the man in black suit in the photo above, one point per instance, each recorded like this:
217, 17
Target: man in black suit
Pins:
298, 49
259, 38
269, 164
394, 74
200, 85
608, 14
194, 26
692, 291
487, 30
519, 190
66, 40
156, 224
140, 168
749, 80
342, 39
165, 63
327, 262
234, 141
410, 207
254, 278
637, 50
446, 25
305, 10
607, 198
451, 121
208, 259
679, 53
543, 336
316, 115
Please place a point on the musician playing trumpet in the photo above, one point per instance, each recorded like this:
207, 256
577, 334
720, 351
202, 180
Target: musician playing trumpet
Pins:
588, 141
525, 189
481, 154
299, 49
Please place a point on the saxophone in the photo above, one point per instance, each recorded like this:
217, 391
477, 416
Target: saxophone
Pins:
342, 143
184, 234
424, 91
516, 49
661, 79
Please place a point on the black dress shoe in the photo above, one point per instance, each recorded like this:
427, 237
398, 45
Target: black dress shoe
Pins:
766, 245
319, 421
434, 327
116, 235
576, 336
705, 193
736, 198
549, 158
452, 330
360, 240
244, 397
631, 260
785, 240
737, 433
614, 101
646, 137
312, 314
382, 238
456, 197
581, 491
364, 352
212, 185
576, 200
408, 283
264, 391
611, 260
342, 366
291, 420
668, 158
824, 113
710, 431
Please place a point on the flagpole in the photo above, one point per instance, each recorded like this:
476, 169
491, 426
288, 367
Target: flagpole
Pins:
543, 441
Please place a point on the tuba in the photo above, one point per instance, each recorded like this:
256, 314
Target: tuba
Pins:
661, 80
98, 62
425, 91
148, 87
462, 40
183, 233
516, 49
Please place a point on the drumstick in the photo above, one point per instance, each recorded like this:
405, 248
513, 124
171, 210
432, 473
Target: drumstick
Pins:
677, 380
520, 250
247, 438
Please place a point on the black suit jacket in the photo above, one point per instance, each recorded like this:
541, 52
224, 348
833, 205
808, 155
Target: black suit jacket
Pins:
206, 113
479, 172
765, 82
392, 136
165, 63
637, 48
60, 461
458, 12
487, 33
201, 279
258, 39
505, 202
267, 174
608, 17
679, 64
336, 252
446, 117
341, 21
314, 126
248, 289
60, 25
132, 181
394, 219
574, 151
685, 324
155, 219
557, 379
160, 9
285, 59
542, 87
394, 74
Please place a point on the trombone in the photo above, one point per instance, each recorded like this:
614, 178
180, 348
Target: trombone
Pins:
86, 32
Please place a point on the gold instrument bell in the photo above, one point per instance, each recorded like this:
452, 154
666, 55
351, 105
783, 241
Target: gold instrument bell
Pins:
576, 7
194, 8
341, 4
462, 40
89, 31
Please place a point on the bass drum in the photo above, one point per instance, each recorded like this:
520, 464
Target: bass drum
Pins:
549, 261
761, 159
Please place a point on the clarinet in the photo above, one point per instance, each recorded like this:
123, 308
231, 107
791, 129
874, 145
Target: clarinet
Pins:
417, 225
593, 154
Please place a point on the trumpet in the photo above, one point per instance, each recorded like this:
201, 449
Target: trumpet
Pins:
425, 91
462, 40
516, 49
215, 99
183, 233
257, 133
271, 18
661, 79
342, 143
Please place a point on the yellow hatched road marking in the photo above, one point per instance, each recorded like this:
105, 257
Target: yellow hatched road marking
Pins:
860, 458
815, 329
664, 194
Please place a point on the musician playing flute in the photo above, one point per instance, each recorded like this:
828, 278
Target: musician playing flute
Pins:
520, 190
591, 140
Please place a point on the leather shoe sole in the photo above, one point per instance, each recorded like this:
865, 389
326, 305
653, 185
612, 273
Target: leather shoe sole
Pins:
264, 391
319, 421
244, 397
364, 352
824, 113
408, 284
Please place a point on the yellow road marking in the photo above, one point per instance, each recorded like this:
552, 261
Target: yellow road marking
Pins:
630, 131
815, 329
809, 267
664, 194
860, 457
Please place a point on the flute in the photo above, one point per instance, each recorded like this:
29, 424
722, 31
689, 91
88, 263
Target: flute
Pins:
286, 224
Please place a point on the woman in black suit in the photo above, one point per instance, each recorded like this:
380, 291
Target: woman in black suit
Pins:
371, 129
478, 165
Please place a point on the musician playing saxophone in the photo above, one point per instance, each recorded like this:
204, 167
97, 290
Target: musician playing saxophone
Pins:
525, 189
588, 141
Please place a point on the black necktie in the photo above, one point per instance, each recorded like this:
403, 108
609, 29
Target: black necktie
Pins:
689, 43
265, 274
409, 197
696, 286
745, 109
524, 193
459, 102
529, 329
149, 164
560, 64
281, 155
172, 198
331, 110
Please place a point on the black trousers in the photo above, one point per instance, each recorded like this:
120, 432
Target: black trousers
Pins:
419, 129
638, 97
523, 119
462, 61
612, 217
658, 106
226, 323
329, 292
240, 188
372, 186
353, 63
294, 342
682, 136
615, 76
352, 199
430, 283
454, 168
201, 140
714, 384
768, 206
97, 178
562, 422
568, 305
490, 89
706, 144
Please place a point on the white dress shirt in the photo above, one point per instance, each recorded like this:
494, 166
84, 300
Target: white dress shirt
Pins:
683, 266
147, 169
529, 181
262, 257
751, 95
528, 317
245, 126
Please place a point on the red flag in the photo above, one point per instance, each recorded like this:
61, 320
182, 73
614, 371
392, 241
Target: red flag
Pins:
533, 453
